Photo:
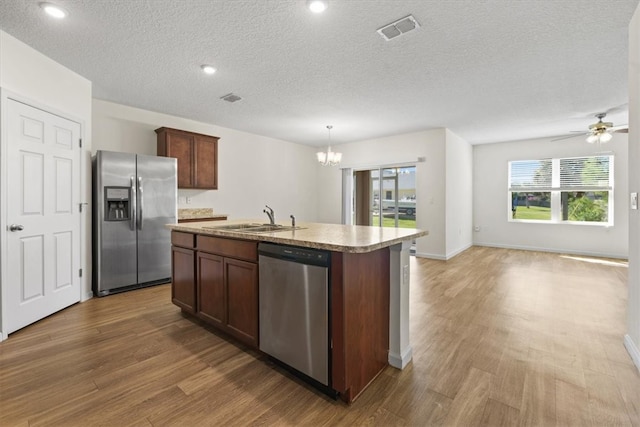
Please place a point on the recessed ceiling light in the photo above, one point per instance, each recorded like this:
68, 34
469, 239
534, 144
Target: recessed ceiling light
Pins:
208, 69
317, 6
53, 10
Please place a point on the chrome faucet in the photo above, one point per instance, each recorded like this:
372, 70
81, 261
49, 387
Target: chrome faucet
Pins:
270, 214
293, 220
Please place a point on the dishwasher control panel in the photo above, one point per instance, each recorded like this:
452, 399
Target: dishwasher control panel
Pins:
294, 253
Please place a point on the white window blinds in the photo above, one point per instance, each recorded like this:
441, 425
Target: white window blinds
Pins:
530, 175
586, 174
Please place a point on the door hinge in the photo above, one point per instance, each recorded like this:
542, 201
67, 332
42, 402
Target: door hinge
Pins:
80, 142
80, 206
80, 273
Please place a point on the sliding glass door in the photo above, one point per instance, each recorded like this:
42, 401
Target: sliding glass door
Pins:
385, 197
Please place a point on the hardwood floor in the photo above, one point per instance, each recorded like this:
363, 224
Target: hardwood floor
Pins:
500, 337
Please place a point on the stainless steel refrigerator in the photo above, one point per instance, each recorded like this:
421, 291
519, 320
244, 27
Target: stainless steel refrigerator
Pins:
134, 196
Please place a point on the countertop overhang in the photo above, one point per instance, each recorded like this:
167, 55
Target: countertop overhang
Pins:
332, 237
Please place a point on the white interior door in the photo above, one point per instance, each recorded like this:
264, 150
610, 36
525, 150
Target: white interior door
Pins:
43, 219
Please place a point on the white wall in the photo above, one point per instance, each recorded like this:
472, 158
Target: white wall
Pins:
328, 188
36, 79
632, 339
490, 210
253, 170
459, 190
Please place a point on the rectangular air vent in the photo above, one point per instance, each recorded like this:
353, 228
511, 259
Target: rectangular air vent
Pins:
230, 97
398, 28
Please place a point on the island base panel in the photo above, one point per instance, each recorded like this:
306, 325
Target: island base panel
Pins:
360, 319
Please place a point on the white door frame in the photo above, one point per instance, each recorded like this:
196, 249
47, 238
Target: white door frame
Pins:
5, 96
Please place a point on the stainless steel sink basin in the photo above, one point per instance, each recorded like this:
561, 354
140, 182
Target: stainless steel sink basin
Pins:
271, 228
234, 227
253, 228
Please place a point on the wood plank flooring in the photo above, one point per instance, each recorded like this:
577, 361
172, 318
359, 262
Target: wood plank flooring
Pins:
500, 337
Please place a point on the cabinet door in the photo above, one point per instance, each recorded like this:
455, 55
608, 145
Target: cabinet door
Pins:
205, 162
211, 288
183, 289
242, 299
181, 147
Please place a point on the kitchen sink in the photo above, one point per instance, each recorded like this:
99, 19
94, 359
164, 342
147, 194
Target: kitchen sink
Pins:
253, 228
234, 227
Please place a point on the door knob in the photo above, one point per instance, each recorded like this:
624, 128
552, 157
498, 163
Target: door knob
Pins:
16, 227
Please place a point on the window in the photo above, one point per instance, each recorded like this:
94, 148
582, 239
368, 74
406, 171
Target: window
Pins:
576, 189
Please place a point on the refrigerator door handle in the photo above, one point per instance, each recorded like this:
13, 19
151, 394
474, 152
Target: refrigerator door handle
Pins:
141, 199
132, 205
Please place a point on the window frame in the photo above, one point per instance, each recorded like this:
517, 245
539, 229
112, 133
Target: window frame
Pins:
556, 190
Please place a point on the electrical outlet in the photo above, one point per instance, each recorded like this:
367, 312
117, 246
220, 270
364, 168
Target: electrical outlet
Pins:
634, 201
188, 200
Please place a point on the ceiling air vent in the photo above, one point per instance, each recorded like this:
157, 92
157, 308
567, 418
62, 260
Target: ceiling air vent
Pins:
230, 97
398, 28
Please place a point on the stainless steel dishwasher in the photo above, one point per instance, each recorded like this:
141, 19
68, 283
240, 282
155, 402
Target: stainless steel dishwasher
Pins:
294, 308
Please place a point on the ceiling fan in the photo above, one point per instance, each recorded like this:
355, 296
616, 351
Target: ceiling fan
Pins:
600, 131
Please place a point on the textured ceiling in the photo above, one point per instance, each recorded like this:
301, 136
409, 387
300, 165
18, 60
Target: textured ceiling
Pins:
489, 70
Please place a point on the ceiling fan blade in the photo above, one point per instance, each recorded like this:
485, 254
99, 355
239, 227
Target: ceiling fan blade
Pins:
616, 128
568, 136
618, 109
621, 130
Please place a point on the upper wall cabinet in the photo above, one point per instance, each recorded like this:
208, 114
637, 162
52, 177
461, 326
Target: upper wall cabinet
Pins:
197, 157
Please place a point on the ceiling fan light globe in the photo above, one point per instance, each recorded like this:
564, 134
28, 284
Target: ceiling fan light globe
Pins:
592, 138
605, 137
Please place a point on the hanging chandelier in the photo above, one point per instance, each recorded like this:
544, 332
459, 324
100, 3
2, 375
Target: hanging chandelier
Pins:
329, 158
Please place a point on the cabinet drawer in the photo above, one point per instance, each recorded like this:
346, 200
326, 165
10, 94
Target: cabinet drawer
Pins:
185, 240
239, 249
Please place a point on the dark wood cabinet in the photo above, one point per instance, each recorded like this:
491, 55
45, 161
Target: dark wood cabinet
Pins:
197, 156
218, 283
211, 288
242, 299
183, 286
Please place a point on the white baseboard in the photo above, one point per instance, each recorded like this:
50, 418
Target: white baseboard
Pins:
557, 251
400, 361
443, 257
1, 336
521, 248
633, 350
431, 256
459, 251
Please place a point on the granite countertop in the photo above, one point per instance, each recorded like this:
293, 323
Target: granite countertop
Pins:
195, 213
332, 237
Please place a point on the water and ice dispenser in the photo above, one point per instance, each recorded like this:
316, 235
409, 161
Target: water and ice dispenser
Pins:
117, 201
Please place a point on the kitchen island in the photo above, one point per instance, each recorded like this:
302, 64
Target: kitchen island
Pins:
215, 278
